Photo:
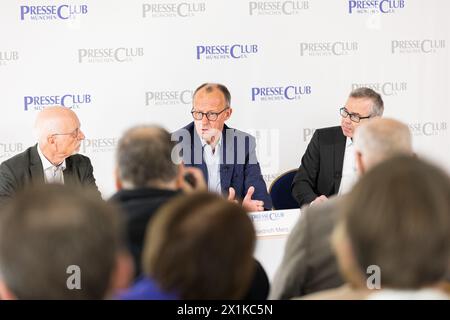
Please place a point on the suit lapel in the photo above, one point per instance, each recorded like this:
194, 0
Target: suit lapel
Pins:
68, 172
226, 168
339, 150
36, 170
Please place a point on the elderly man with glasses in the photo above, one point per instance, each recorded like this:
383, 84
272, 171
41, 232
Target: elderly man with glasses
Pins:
328, 165
53, 159
225, 155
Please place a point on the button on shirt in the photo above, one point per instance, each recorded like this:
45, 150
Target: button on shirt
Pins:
52, 173
212, 161
349, 172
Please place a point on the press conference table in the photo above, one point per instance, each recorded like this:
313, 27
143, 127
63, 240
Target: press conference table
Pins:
272, 230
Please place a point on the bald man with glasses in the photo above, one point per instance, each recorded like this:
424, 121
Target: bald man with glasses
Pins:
328, 166
53, 159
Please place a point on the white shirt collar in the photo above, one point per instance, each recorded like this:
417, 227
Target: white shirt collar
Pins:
348, 142
349, 174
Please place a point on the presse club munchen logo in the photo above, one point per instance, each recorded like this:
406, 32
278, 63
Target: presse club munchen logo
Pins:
9, 149
280, 93
53, 12
97, 145
273, 216
107, 55
226, 51
428, 128
307, 133
375, 6
417, 46
387, 88
73, 101
173, 9
168, 97
267, 8
7, 57
319, 49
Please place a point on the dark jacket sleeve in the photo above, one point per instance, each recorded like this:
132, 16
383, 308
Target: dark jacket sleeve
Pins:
260, 285
8, 183
87, 177
304, 185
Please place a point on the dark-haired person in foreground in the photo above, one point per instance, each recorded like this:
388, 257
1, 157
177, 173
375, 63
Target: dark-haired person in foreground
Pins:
148, 175
146, 178
393, 236
189, 253
61, 243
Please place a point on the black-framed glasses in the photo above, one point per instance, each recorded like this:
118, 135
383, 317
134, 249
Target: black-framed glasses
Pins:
353, 116
211, 116
74, 134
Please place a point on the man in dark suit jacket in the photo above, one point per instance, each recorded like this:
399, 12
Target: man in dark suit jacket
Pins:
309, 264
53, 159
225, 155
146, 178
322, 167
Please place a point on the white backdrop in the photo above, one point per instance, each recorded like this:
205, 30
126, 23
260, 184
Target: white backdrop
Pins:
122, 63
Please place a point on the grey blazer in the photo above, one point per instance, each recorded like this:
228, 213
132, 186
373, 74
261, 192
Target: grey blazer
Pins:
26, 168
309, 264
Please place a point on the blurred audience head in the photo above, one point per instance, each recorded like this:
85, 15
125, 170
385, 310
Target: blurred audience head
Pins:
201, 247
397, 217
381, 139
60, 243
144, 159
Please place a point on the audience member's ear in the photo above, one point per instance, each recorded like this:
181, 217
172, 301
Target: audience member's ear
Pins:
123, 272
360, 163
117, 180
5, 293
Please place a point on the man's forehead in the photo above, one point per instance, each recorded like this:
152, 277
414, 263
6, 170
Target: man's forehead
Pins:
68, 117
359, 105
68, 121
209, 100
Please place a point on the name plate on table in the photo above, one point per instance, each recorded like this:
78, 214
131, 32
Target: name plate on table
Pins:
274, 223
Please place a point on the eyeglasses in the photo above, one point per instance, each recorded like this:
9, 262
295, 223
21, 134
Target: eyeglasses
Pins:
74, 134
353, 116
211, 116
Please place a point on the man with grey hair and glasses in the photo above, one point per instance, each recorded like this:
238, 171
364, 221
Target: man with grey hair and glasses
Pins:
328, 166
53, 159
